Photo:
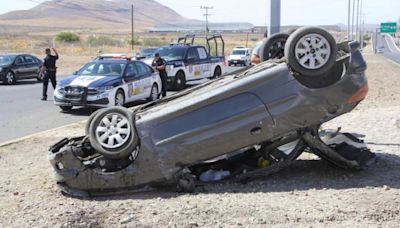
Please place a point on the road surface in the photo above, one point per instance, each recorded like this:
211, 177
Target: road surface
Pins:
388, 47
23, 113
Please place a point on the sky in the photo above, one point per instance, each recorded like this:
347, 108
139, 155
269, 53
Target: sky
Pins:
294, 12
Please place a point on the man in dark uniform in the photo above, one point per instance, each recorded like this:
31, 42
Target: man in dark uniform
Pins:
159, 64
49, 69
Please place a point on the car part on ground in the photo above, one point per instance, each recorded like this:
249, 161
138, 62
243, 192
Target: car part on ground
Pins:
252, 123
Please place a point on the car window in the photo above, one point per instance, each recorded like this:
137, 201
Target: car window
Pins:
142, 68
6, 59
192, 54
202, 53
29, 59
19, 60
172, 53
131, 69
103, 69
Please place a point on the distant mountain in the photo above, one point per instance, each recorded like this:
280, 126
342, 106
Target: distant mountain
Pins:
92, 14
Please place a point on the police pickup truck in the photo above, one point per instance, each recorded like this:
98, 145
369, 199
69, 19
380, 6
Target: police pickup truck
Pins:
187, 61
108, 81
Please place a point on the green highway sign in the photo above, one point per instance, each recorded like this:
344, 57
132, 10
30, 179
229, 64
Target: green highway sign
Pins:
390, 27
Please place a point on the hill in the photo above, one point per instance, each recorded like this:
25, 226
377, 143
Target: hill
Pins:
101, 15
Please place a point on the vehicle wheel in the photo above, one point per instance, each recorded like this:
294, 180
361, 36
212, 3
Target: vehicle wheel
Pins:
120, 98
180, 81
274, 47
9, 78
89, 121
66, 108
153, 93
112, 133
217, 72
39, 78
311, 51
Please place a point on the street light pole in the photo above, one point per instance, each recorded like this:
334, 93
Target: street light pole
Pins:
133, 30
275, 17
348, 20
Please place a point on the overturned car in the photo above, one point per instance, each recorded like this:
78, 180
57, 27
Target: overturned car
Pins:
241, 126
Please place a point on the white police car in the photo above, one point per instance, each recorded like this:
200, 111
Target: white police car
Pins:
108, 81
186, 62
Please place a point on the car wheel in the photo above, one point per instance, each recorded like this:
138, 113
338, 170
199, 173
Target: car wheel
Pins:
180, 81
274, 47
39, 78
9, 78
154, 95
112, 133
119, 98
311, 51
66, 108
217, 72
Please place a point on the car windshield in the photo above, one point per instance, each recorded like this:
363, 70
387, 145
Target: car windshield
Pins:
103, 69
147, 51
6, 59
238, 52
172, 53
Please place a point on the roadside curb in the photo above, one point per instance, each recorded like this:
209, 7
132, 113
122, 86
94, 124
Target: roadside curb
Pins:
38, 134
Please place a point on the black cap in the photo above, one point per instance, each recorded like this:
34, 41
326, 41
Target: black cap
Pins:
157, 54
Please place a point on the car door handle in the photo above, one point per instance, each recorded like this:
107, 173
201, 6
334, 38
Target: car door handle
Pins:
256, 131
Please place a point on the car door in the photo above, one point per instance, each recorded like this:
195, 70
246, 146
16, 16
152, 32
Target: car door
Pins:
192, 64
132, 78
19, 67
31, 66
204, 63
145, 78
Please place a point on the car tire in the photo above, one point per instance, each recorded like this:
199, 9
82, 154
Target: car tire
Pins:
217, 72
119, 98
9, 78
274, 47
66, 108
180, 81
112, 133
154, 93
310, 51
89, 121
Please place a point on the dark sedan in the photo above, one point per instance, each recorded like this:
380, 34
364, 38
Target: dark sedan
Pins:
14, 67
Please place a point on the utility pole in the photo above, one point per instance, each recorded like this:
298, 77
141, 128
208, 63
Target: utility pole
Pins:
352, 22
357, 20
206, 15
275, 26
133, 30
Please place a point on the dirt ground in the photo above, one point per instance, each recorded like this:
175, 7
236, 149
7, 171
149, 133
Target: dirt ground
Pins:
311, 193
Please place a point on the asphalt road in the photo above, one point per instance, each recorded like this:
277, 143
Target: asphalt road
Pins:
23, 113
389, 48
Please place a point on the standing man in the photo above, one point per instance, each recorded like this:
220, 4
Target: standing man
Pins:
49, 69
255, 56
159, 64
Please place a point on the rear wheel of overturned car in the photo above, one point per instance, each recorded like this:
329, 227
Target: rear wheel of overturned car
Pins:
120, 98
112, 133
274, 47
310, 51
180, 81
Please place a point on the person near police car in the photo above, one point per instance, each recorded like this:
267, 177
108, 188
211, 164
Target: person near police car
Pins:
49, 70
160, 65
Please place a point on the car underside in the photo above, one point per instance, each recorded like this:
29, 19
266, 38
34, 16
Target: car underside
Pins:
242, 126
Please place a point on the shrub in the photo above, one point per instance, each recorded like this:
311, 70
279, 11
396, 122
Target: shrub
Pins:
67, 37
102, 40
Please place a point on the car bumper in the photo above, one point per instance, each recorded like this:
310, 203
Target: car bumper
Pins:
100, 100
235, 61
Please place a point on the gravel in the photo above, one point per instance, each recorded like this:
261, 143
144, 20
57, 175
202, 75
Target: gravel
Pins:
309, 193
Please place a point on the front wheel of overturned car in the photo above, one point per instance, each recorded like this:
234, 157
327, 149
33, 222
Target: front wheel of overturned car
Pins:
311, 51
112, 133
274, 47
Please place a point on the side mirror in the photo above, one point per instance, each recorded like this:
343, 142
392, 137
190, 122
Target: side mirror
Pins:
191, 60
130, 75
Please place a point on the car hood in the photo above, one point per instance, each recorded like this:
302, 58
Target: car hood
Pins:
91, 81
